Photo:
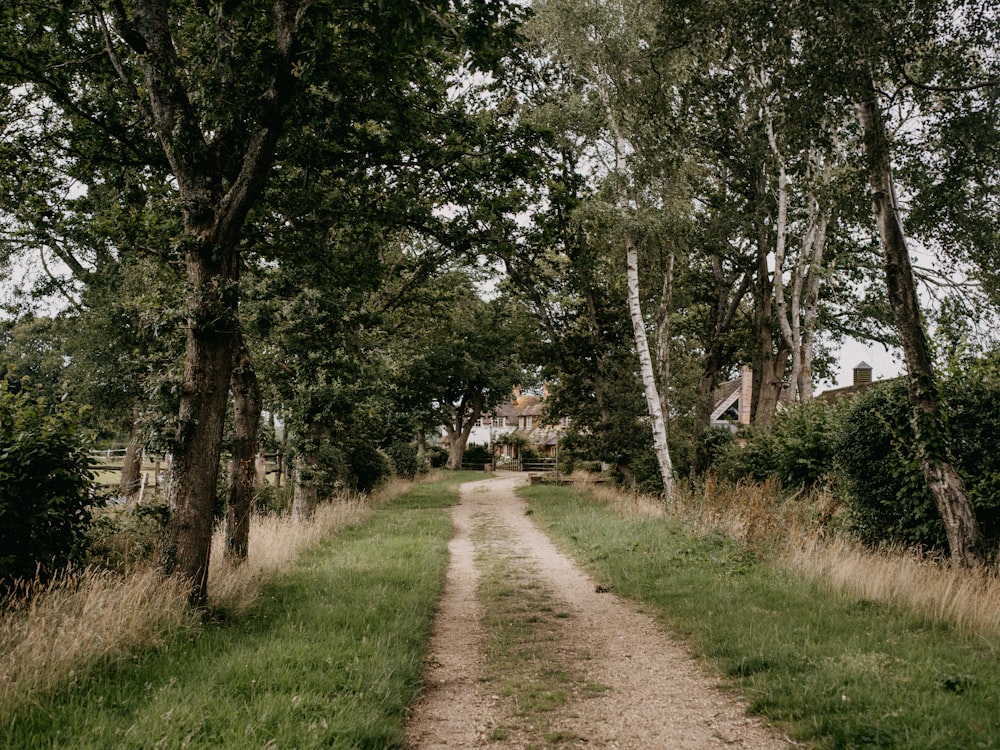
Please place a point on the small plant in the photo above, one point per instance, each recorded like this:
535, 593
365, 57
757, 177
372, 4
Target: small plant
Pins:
405, 460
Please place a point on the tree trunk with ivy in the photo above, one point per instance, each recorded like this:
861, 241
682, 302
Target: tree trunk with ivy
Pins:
132, 460
247, 405
219, 177
930, 428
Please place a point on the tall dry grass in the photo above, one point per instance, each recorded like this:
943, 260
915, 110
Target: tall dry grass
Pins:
92, 617
805, 534
969, 600
84, 618
275, 544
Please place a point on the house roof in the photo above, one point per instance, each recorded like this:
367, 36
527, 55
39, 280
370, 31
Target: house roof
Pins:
726, 395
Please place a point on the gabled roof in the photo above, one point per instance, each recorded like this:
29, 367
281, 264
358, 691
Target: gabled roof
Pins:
726, 395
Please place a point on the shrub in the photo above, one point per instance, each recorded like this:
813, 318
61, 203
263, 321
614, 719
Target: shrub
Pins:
269, 500
124, 538
477, 454
804, 443
975, 432
798, 450
750, 455
368, 467
879, 472
45, 485
404, 459
437, 456
867, 445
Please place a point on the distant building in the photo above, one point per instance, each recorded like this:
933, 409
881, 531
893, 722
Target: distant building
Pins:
733, 398
515, 423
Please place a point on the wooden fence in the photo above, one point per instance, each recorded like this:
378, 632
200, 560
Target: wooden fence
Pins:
154, 472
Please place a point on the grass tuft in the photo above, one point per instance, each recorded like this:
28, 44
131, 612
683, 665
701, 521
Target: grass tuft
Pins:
83, 619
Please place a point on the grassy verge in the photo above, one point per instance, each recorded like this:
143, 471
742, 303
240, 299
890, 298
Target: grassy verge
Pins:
329, 655
833, 669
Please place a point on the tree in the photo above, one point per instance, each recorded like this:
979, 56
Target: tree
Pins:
602, 51
841, 58
206, 98
943, 481
463, 361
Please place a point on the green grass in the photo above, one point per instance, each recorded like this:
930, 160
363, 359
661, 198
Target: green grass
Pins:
330, 658
832, 671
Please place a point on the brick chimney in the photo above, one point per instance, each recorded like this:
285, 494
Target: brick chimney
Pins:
746, 393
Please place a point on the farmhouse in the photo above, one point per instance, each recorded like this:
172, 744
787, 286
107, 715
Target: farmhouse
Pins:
733, 398
515, 424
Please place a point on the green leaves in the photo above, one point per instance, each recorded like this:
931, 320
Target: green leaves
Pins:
45, 487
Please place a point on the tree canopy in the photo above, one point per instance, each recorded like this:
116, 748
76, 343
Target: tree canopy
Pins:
284, 205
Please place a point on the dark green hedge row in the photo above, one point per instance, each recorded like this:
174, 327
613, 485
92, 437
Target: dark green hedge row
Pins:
45, 487
864, 447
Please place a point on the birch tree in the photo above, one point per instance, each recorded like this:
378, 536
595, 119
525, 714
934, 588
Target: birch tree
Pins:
606, 47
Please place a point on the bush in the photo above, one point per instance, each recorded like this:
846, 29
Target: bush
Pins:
805, 440
45, 485
437, 456
879, 472
748, 455
798, 450
975, 431
867, 445
269, 500
404, 459
477, 454
368, 467
123, 538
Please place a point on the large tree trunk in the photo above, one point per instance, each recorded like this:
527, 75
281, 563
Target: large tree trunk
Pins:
654, 406
464, 418
653, 403
247, 405
933, 444
796, 302
772, 354
132, 462
204, 400
214, 200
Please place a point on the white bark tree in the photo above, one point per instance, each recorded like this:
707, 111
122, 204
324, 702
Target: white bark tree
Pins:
797, 299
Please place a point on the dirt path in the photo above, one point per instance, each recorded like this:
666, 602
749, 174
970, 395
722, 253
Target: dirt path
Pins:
651, 694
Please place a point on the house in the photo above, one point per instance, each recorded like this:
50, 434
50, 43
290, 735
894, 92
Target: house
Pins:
516, 423
732, 398
732, 401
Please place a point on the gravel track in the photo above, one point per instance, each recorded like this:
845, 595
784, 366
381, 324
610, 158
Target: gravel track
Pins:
656, 696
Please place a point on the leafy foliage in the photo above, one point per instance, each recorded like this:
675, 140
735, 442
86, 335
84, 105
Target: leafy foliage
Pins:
798, 450
866, 446
45, 488
884, 488
404, 459
882, 473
